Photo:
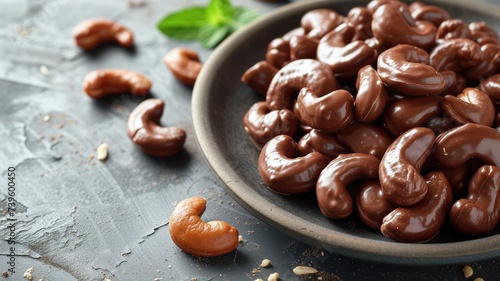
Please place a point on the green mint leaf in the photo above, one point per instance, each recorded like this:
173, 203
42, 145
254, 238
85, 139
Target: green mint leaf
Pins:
219, 12
211, 36
184, 24
243, 16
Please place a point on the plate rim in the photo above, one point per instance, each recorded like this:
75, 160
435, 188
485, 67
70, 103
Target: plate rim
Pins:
360, 248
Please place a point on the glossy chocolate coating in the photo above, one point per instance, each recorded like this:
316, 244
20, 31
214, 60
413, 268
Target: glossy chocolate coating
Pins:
479, 213
434, 14
440, 124
296, 75
259, 76
361, 19
371, 204
394, 67
366, 138
334, 199
410, 112
457, 177
422, 221
483, 33
453, 28
456, 146
491, 87
394, 25
471, 106
371, 97
303, 47
144, 130
399, 171
324, 143
344, 56
454, 83
455, 54
284, 172
262, 124
278, 52
488, 66
318, 22
329, 113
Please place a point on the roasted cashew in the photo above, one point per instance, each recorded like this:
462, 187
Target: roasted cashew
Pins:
329, 113
284, 172
457, 146
334, 199
296, 75
262, 124
471, 106
421, 222
184, 64
93, 32
197, 237
399, 171
104, 82
405, 68
479, 213
144, 130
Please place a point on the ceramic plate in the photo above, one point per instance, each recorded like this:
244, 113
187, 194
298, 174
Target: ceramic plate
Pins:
220, 100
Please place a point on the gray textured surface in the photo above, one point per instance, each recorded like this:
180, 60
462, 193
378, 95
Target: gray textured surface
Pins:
82, 219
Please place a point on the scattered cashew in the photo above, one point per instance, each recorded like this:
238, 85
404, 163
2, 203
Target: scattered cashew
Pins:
479, 213
329, 113
421, 222
296, 75
283, 171
262, 124
93, 32
456, 146
471, 106
184, 64
104, 82
399, 171
197, 237
334, 199
144, 130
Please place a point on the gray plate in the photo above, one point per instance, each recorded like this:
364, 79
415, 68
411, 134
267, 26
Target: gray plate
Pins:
220, 100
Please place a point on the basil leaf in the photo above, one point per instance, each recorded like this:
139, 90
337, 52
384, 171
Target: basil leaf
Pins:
185, 24
219, 12
211, 36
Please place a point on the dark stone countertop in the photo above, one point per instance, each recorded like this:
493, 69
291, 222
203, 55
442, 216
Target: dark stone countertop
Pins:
82, 219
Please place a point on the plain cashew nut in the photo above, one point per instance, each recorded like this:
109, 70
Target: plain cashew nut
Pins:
91, 33
104, 82
144, 130
197, 237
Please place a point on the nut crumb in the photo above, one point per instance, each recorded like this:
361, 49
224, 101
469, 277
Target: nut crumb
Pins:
46, 118
44, 70
5, 274
102, 152
273, 277
265, 263
28, 274
258, 279
240, 238
467, 270
303, 270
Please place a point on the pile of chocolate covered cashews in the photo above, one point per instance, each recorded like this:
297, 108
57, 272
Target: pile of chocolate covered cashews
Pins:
401, 99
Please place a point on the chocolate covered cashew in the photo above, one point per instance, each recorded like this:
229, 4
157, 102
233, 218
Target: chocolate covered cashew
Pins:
143, 128
411, 112
471, 106
326, 144
361, 19
486, 67
393, 25
329, 113
262, 124
316, 23
479, 213
483, 34
303, 47
405, 68
371, 204
104, 82
455, 55
184, 64
451, 29
371, 97
366, 138
456, 146
278, 52
344, 56
431, 13
334, 199
491, 87
399, 171
421, 222
259, 76
296, 75
284, 172
91, 33
197, 237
